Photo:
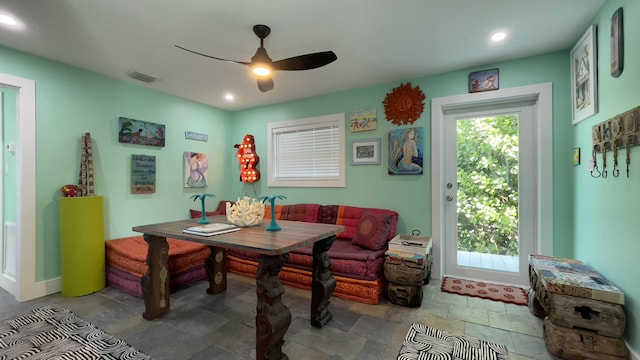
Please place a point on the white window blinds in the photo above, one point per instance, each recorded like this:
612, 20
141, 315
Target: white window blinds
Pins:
308, 152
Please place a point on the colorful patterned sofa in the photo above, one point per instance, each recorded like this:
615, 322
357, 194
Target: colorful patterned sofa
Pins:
357, 255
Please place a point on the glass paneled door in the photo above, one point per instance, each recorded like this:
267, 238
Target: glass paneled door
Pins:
489, 192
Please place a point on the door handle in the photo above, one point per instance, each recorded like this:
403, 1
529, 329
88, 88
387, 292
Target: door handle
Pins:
449, 197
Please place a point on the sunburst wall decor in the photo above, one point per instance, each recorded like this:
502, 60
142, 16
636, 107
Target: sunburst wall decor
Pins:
404, 104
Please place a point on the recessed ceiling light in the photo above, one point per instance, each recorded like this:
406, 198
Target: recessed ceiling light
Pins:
499, 36
229, 97
8, 20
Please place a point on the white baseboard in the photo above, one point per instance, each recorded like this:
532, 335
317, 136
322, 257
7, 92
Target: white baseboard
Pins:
41, 288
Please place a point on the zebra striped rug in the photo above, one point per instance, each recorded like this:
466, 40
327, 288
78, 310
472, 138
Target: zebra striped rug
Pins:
52, 332
426, 343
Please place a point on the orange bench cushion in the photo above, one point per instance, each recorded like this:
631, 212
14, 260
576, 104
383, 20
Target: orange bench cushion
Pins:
130, 254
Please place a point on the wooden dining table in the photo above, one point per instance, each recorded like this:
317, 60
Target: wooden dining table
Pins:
272, 316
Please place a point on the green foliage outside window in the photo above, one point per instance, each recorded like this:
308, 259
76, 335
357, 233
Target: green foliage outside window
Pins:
488, 171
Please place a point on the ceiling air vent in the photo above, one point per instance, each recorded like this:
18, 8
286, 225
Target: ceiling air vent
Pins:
142, 77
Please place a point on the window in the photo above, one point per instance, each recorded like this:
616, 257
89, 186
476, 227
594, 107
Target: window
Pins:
307, 152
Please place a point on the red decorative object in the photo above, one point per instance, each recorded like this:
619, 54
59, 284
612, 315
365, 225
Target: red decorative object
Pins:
248, 159
404, 104
69, 191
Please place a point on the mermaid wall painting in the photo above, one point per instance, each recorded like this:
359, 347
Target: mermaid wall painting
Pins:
195, 169
406, 151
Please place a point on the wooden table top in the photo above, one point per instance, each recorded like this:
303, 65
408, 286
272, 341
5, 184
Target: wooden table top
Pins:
294, 234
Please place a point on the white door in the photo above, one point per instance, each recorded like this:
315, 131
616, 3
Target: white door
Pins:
18, 264
489, 178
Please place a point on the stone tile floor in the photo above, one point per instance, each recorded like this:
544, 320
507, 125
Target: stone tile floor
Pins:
222, 326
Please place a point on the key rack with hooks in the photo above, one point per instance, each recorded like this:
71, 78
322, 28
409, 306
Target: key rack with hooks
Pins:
621, 132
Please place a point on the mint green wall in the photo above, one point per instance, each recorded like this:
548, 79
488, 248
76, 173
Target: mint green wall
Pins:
70, 102
607, 210
410, 195
592, 217
9, 115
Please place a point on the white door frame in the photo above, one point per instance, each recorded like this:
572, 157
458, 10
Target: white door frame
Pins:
24, 286
542, 97
524, 111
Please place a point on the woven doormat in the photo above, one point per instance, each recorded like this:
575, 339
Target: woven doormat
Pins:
504, 293
423, 342
53, 332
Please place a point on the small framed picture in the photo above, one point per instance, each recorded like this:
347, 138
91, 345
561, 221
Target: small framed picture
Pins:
485, 80
576, 156
617, 44
365, 151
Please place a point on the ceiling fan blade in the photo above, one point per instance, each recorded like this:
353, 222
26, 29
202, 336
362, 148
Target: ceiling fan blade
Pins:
212, 57
265, 83
305, 62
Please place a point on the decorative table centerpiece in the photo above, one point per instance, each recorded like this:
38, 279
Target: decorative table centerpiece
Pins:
202, 197
245, 212
273, 226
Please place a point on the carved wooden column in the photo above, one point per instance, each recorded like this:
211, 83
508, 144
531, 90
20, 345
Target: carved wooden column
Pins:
216, 266
155, 283
323, 283
273, 317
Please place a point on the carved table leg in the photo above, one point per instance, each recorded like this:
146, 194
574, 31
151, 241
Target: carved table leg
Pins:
155, 283
216, 266
273, 317
323, 283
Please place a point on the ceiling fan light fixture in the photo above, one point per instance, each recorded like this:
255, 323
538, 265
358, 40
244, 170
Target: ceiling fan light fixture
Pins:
261, 69
262, 65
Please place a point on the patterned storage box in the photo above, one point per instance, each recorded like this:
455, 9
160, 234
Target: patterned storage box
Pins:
572, 277
584, 318
409, 260
404, 295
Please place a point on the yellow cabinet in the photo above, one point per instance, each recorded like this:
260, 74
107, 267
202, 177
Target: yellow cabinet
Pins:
82, 245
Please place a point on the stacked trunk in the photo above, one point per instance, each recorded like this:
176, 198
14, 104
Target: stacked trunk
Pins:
582, 310
407, 267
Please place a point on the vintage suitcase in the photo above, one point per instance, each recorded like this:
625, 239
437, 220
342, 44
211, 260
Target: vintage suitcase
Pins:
580, 344
601, 317
404, 272
409, 259
405, 295
573, 295
411, 244
572, 277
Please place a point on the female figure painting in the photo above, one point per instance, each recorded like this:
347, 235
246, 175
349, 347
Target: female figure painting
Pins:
405, 151
195, 169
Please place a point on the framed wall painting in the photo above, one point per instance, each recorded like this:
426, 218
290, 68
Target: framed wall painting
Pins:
576, 156
485, 80
143, 174
406, 151
363, 120
365, 151
196, 166
584, 76
138, 132
617, 43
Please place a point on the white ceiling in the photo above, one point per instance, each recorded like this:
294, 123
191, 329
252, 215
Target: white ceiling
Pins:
376, 41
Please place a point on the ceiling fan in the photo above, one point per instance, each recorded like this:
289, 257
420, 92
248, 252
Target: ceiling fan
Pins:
262, 65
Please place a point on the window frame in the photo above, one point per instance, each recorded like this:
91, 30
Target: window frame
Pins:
337, 120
